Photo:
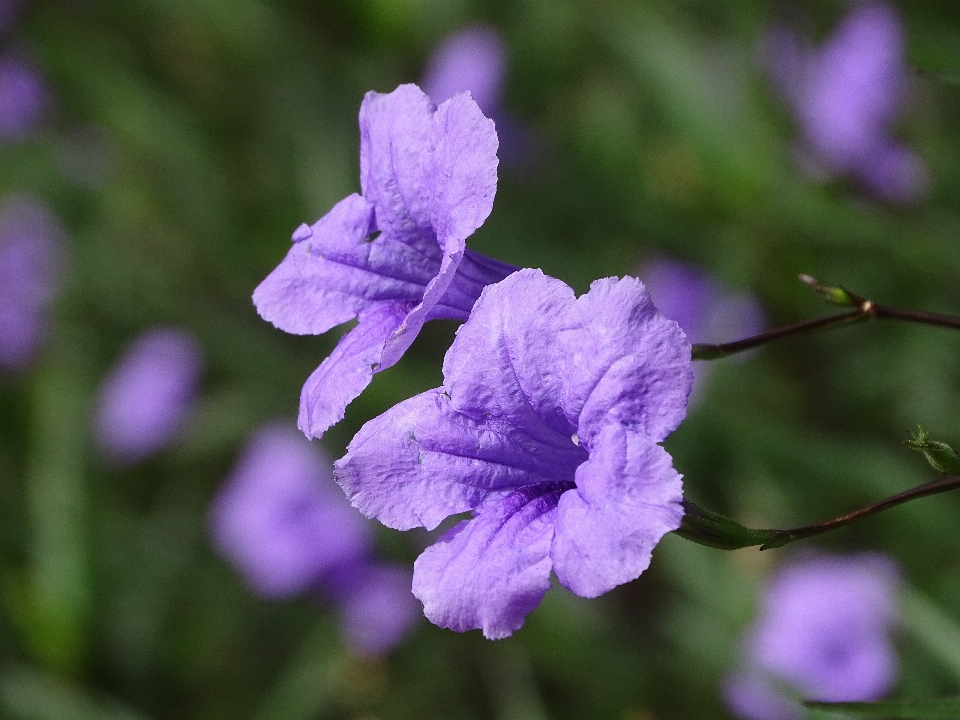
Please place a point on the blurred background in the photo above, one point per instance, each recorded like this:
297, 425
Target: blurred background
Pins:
155, 157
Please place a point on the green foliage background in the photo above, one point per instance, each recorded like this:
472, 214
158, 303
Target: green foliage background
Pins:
190, 137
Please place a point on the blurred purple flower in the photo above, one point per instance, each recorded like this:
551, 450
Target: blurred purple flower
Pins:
547, 428
23, 99
823, 634
30, 258
846, 96
148, 394
285, 525
473, 59
705, 310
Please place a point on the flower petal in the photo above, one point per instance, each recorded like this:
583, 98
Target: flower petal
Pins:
502, 363
349, 369
334, 272
489, 572
422, 461
628, 497
395, 135
462, 179
623, 361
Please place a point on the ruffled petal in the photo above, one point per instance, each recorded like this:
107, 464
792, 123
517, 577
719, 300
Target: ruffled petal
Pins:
489, 572
627, 498
395, 145
622, 361
349, 369
462, 181
502, 363
336, 269
422, 461
463, 178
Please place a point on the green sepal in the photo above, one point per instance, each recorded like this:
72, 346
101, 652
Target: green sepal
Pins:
920, 709
712, 529
833, 294
941, 456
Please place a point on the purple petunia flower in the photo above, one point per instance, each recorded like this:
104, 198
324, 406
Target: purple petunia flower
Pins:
283, 523
30, 259
395, 256
846, 96
472, 60
546, 428
148, 394
23, 99
823, 633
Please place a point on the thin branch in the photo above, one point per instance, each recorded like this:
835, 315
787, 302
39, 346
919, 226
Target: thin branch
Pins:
864, 309
706, 527
943, 484
713, 352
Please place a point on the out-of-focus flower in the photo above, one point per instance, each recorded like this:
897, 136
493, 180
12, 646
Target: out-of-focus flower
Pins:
23, 99
823, 633
284, 524
31, 246
472, 60
148, 394
396, 256
547, 429
705, 310
846, 96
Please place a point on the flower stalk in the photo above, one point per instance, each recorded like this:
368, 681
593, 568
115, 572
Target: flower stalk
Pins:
864, 309
706, 527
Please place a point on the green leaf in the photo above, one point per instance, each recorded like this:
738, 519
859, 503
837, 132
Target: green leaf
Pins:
916, 709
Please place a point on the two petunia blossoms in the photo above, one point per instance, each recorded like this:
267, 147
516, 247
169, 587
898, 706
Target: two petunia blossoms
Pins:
548, 424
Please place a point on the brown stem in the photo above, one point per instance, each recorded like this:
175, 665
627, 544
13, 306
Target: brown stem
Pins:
944, 483
916, 316
713, 352
865, 309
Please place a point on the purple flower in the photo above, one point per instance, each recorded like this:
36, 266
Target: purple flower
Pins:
23, 99
822, 632
283, 523
30, 259
546, 428
394, 257
706, 311
847, 96
147, 395
377, 609
472, 60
